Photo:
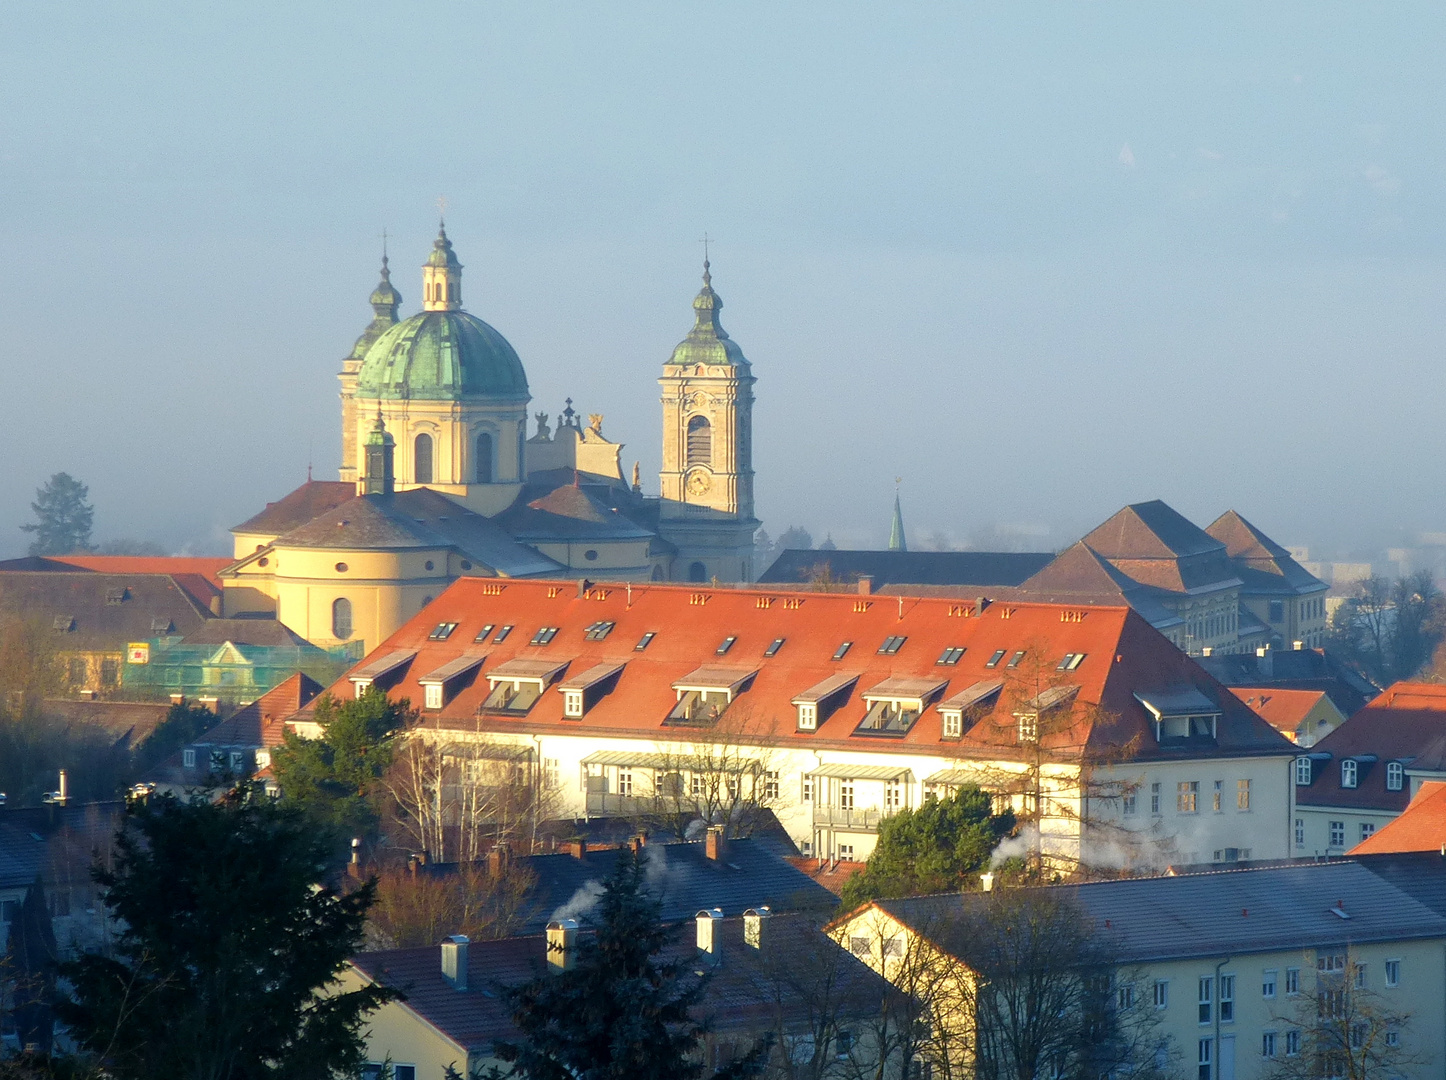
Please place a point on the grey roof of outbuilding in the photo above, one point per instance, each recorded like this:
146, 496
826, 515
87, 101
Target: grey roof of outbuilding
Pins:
1235, 912
108, 610
983, 568
1421, 875
750, 874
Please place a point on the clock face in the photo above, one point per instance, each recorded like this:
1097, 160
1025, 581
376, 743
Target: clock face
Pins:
699, 484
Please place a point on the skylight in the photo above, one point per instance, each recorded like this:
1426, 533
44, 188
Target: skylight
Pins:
774, 646
598, 630
1071, 661
544, 635
892, 645
843, 650
1015, 659
502, 634
482, 634
993, 661
950, 656
727, 644
442, 631
645, 641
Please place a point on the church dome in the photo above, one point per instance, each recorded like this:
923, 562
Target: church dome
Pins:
708, 342
441, 356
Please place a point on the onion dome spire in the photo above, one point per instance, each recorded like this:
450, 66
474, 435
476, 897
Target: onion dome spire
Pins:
385, 299
442, 276
379, 456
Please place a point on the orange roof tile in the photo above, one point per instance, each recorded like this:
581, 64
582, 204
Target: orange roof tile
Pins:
206, 567
1123, 654
1282, 709
1421, 826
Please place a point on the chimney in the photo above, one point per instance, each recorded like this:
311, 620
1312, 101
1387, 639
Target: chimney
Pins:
638, 841
710, 942
454, 961
1206, 651
576, 848
980, 603
715, 844
866, 584
498, 860
353, 868
986, 881
1297, 645
62, 796
561, 945
178, 699
755, 928
583, 585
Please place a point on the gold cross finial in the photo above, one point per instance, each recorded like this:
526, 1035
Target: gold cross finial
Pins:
442, 208
705, 242
384, 243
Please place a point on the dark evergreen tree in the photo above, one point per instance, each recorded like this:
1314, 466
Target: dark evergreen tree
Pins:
337, 779
936, 848
62, 517
226, 942
621, 1012
183, 724
29, 969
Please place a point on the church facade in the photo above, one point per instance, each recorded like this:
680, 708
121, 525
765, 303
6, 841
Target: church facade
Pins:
445, 475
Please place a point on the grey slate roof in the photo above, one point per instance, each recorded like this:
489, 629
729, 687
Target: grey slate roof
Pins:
1235, 912
1293, 669
92, 612
569, 512
1421, 875
298, 507
983, 568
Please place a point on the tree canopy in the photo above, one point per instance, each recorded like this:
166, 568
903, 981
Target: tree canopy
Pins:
936, 848
225, 945
1389, 629
183, 724
62, 517
620, 1013
337, 779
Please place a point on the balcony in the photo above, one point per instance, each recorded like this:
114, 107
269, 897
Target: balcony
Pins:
607, 803
858, 817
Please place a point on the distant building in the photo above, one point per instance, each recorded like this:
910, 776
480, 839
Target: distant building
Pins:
1293, 669
441, 481
1421, 827
904, 571
1302, 716
1362, 775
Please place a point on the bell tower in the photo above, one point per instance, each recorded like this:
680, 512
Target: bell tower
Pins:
384, 301
706, 482
442, 276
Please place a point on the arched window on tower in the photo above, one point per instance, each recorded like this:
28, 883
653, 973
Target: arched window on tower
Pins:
484, 458
341, 618
422, 458
697, 572
700, 442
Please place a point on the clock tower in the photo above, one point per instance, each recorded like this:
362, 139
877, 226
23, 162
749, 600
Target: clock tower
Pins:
706, 483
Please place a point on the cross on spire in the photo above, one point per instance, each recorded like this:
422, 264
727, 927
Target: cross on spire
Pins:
707, 277
442, 209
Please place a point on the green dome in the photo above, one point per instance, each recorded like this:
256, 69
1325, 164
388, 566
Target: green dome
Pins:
708, 342
441, 356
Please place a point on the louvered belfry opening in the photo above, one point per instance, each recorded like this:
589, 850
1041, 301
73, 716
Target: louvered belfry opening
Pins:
700, 441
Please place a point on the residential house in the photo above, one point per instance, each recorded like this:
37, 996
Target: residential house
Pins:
769, 975
1302, 716
835, 711
1421, 827
1292, 669
1219, 969
1362, 775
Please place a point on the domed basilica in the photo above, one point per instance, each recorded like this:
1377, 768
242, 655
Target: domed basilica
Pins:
441, 479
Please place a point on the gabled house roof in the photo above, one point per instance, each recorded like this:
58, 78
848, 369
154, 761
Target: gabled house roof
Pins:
1294, 669
1235, 912
569, 512
1285, 710
257, 726
1420, 827
748, 989
1264, 566
1121, 654
1081, 575
1406, 724
297, 507
95, 612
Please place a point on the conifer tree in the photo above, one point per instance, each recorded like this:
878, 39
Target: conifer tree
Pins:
62, 517
29, 969
621, 1012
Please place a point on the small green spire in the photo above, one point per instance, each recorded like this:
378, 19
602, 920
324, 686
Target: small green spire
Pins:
896, 530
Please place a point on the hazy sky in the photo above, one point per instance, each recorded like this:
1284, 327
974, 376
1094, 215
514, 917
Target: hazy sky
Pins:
1038, 260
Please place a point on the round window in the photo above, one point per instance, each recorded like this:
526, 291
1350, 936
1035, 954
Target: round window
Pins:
466, 565
430, 565
590, 555
341, 568
263, 561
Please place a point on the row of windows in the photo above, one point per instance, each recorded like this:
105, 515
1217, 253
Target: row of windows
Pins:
1187, 798
1212, 993
1351, 773
422, 471
1336, 832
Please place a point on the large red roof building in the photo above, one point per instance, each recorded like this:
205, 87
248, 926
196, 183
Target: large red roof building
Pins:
837, 710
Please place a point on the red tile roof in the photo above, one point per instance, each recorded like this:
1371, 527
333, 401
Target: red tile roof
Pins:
1284, 710
1421, 827
1123, 655
203, 566
1406, 723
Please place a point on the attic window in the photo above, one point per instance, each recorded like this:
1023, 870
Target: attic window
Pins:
774, 646
117, 596
993, 661
972, 700
544, 635
895, 704
950, 656
482, 634
1015, 659
162, 626
822, 700
502, 634
442, 631
1302, 771
63, 623
583, 690
892, 645
1349, 773
705, 694
1071, 661
645, 641
517, 685
843, 650
1395, 775
728, 643
597, 631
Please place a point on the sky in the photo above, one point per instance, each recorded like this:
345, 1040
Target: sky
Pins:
1027, 262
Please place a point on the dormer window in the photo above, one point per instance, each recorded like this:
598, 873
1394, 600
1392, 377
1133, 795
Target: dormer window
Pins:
1302, 771
382, 672
439, 685
972, 701
1395, 776
895, 705
1181, 713
822, 700
1349, 772
517, 684
705, 694
583, 690
1056, 697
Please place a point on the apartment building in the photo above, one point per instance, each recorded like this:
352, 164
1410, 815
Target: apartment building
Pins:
1222, 975
835, 711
